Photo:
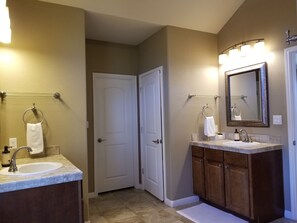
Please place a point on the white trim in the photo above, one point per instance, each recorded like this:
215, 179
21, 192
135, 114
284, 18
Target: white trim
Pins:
180, 202
290, 69
160, 69
135, 126
288, 214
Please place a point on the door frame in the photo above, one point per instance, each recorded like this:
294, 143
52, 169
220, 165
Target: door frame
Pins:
134, 124
160, 70
291, 85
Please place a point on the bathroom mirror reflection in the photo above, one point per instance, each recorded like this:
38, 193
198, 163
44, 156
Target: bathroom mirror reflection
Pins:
247, 96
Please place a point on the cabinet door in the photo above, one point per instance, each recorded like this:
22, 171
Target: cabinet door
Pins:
214, 179
198, 176
237, 189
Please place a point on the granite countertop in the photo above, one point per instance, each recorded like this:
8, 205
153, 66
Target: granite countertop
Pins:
67, 173
249, 149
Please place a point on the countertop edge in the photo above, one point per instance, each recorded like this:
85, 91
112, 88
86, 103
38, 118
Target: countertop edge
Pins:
218, 145
67, 173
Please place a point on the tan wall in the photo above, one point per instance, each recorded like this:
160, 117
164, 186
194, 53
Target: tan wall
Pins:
104, 57
192, 69
47, 54
266, 19
190, 66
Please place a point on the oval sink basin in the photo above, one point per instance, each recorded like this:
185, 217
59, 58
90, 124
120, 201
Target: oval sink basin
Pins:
32, 168
240, 144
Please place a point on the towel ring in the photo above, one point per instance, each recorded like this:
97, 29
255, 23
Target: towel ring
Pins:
205, 108
35, 112
236, 110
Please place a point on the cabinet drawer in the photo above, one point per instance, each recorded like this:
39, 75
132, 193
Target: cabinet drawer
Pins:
197, 151
236, 159
214, 155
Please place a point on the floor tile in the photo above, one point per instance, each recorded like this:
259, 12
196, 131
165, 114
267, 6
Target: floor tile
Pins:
137, 206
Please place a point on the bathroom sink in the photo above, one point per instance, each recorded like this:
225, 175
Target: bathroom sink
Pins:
240, 144
32, 168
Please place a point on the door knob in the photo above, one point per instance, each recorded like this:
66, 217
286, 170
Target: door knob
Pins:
100, 140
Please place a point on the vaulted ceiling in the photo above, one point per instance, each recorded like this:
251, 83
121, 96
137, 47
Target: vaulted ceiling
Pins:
132, 21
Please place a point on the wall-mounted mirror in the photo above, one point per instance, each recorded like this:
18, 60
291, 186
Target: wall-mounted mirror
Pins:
247, 96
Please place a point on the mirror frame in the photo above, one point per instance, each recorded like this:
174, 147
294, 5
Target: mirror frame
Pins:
261, 68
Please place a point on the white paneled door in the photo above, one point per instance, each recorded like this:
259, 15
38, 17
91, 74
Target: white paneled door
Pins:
115, 131
291, 90
151, 131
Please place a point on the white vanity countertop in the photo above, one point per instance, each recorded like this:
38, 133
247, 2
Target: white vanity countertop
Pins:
249, 149
67, 173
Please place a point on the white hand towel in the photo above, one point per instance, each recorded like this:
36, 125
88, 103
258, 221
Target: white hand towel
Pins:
209, 126
35, 138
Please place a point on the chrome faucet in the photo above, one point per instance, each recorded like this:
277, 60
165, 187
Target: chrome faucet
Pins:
244, 136
13, 167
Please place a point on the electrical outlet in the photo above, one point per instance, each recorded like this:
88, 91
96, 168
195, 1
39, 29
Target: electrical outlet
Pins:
13, 143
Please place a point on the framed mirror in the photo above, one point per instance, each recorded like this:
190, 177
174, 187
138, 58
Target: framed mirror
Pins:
247, 96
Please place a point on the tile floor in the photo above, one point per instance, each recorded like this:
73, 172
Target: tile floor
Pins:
136, 206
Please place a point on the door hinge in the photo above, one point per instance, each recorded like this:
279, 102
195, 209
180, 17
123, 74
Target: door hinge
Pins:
294, 143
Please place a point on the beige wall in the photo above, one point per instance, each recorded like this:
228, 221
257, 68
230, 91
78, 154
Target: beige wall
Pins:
190, 66
47, 54
103, 57
266, 19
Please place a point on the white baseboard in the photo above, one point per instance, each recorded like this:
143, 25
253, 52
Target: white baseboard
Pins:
180, 202
92, 195
288, 214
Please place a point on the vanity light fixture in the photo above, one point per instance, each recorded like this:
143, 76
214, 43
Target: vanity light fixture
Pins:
242, 49
5, 31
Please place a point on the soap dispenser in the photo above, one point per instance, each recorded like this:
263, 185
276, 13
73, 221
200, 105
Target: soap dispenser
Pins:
236, 135
6, 156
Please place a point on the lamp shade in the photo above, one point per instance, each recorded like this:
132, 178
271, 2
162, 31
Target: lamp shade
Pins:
259, 46
5, 31
234, 53
222, 58
245, 50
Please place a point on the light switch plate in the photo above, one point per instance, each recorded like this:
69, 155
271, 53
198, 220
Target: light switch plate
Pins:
277, 120
13, 143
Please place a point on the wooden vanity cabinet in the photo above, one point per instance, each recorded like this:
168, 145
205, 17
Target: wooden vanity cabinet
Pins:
250, 185
214, 176
57, 203
198, 171
237, 183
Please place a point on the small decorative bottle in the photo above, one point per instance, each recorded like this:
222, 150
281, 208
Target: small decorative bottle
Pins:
6, 157
236, 135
